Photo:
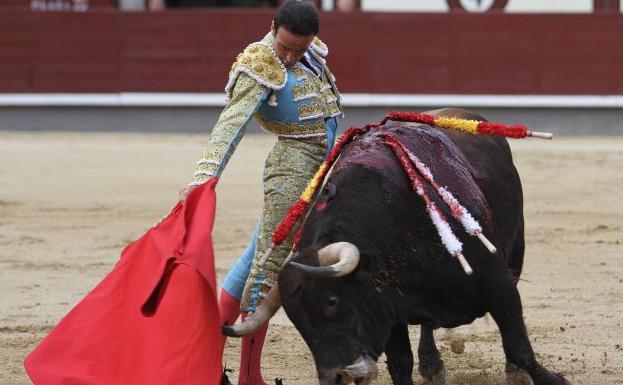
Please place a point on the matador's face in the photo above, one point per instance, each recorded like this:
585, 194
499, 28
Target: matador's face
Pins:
289, 46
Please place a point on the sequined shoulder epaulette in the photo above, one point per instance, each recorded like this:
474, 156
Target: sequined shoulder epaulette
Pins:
319, 47
260, 62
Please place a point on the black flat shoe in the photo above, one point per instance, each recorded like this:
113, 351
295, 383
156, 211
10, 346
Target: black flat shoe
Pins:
278, 381
224, 378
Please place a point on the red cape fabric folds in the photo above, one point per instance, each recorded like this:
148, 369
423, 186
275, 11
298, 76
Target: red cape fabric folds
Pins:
153, 320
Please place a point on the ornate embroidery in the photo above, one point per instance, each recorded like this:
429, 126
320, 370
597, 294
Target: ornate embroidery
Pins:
302, 129
203, 161
300, 73
293, 161
303, 89
229, 129
310, 111
207, 166
261, 63
328, 96
334, 110
319, 47
289, 167
328, 103
306, 73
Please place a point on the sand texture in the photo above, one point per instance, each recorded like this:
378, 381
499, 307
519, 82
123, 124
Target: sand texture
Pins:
70, 201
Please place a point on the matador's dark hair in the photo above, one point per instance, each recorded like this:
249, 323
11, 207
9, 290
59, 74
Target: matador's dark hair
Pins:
298, 17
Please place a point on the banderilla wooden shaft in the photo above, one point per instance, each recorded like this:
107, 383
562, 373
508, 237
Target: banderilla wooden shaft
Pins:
466, 267
486, 242
542, 135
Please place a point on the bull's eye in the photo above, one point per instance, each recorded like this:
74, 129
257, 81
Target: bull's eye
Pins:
330, 308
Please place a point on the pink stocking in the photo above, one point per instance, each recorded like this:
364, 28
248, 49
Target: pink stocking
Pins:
250, 359
229, 310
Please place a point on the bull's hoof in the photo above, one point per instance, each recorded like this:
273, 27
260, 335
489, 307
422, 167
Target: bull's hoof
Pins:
516, 376
553, 379
437, 378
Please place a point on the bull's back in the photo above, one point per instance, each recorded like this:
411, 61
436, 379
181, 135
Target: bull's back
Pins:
478, 170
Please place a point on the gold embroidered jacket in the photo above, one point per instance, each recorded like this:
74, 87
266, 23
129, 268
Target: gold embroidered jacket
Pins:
289, 102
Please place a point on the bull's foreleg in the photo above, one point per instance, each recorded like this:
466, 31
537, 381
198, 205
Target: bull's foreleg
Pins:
505, 308
430, 364
399, 356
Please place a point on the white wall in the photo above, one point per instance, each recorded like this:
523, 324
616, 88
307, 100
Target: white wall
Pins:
513, 6
404, 5
550, 6
477, 5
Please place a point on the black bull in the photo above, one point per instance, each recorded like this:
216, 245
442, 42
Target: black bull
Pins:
404, 275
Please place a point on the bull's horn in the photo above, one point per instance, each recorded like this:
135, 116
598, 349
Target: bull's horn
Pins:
253, 322
336, 260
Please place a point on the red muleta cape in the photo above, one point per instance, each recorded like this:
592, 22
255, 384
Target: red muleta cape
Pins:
153, 319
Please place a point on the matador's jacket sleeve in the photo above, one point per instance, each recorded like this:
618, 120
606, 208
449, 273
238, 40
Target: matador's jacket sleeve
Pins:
246, 97
253, 75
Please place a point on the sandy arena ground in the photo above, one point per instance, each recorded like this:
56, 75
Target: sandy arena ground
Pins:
70, 201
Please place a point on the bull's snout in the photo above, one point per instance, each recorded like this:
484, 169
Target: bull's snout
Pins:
362, 372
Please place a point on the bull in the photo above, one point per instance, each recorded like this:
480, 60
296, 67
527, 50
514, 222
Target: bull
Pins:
370, 261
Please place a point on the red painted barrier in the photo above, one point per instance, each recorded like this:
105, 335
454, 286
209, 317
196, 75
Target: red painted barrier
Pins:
192, 51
